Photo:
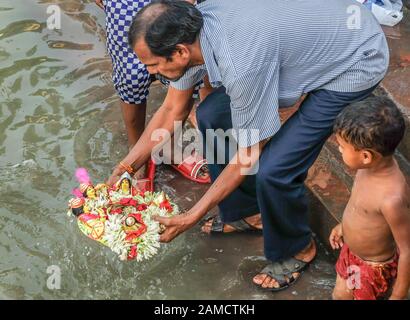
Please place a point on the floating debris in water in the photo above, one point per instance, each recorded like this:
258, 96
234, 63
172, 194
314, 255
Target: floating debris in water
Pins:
211, 260
69, 45
25, 163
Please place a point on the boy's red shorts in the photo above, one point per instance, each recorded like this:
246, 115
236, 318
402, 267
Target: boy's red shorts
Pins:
368, 280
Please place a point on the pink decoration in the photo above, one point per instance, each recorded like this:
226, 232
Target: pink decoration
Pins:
82, 175
77, 193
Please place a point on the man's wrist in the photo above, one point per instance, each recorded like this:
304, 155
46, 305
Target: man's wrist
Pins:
194, 216
118, 170
189, 221
126, 167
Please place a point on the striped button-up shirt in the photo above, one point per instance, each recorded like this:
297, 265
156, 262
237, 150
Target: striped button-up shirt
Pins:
267, 53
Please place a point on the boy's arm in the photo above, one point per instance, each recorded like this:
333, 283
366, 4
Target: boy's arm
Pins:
396, 213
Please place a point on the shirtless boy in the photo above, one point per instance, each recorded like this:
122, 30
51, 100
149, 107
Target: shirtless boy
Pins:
374, 236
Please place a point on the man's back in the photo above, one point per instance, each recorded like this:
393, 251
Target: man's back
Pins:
337, 43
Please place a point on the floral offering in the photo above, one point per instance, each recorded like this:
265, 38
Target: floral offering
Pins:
120, 217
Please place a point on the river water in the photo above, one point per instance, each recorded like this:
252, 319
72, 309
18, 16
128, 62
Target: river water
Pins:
58, 111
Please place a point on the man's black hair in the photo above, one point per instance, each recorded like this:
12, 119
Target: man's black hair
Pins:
164, 24
374, 123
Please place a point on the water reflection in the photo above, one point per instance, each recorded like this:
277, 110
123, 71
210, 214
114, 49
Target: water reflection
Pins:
69, 45
58, 111
20, 27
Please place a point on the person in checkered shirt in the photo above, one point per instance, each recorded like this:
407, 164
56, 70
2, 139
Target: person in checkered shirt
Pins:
132, 80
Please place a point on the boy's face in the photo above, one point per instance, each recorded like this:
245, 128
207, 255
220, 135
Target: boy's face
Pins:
354, 159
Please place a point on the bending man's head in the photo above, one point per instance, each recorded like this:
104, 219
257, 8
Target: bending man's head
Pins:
161, 35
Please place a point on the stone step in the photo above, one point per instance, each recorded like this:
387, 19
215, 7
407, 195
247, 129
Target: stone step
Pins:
402, 102
331, 152
328, 195
396, 83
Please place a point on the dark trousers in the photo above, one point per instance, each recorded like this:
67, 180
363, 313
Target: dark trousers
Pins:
277, 190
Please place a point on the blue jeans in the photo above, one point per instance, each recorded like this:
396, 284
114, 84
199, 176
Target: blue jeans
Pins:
277, 190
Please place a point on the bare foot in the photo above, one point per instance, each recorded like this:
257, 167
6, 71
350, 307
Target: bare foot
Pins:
254, 221
306, 255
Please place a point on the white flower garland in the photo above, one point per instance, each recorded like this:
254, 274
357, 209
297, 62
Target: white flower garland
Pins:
114, 235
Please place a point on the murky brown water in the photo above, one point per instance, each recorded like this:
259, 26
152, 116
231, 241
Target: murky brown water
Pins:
58, 111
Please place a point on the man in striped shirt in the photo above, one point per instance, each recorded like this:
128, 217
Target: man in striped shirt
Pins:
260, 55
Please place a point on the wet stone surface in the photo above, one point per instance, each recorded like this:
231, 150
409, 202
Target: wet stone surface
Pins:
59, 111
397, 80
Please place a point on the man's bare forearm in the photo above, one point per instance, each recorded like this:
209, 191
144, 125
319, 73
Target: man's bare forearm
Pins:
227, 182
141, 151
163, 119
230, 179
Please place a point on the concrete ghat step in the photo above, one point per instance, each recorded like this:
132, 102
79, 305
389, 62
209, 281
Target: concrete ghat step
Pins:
396, 83
393, 88
331, 152
329, 195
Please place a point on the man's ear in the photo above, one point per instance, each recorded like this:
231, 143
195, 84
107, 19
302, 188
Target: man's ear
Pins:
367, 157
182, 51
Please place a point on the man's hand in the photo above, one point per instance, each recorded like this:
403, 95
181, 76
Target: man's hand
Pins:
230, 178
336, 237
115, 176
99, 3
174, 226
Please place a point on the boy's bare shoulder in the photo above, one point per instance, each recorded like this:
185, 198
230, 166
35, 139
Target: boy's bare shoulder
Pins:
397, 200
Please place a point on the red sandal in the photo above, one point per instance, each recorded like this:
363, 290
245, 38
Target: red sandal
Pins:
190, 169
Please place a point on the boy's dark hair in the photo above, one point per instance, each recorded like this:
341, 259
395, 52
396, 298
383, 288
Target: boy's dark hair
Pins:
374, 123
164, 24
